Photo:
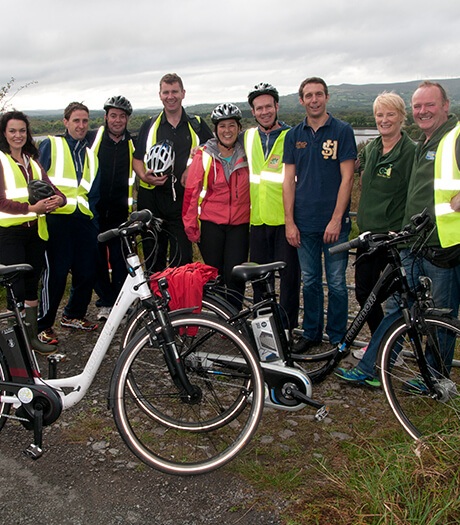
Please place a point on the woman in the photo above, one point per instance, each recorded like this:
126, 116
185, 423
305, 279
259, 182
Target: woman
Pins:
216, 201
386, 164
22, 225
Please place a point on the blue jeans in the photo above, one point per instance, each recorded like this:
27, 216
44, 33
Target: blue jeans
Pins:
445, 295
310, 253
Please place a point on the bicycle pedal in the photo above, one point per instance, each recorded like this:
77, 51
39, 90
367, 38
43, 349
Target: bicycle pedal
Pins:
322, 413
33, 451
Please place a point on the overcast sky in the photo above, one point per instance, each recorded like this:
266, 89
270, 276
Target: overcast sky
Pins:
91, 49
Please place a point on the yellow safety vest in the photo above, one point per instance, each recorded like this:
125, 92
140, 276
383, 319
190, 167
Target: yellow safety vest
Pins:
95, 147
152, 139
16, 189
207, 161
63, 175
446, 185
266, 176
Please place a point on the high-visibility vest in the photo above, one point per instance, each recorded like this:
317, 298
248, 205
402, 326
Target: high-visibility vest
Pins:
63, 175
132, 175
207, 161
16, 189
152, 139
266, 176
446, 185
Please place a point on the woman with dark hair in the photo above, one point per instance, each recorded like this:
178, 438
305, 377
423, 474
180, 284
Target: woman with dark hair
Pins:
216, 205
23, 230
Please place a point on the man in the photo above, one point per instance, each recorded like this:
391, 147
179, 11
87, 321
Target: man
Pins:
430, 108
72, 245
264, 147
114, 146
319, 157
164, 195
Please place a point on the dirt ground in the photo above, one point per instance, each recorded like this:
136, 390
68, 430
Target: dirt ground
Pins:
87, 474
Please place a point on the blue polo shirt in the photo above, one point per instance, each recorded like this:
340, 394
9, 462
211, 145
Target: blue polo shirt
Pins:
317, 157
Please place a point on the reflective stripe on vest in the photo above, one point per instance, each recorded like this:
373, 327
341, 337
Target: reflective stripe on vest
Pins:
446, 186
266, 178
62, 174
207, 161
131, 179
152, 139
16, 189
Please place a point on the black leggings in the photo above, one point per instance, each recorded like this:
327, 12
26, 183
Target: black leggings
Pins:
224, 246
21, 244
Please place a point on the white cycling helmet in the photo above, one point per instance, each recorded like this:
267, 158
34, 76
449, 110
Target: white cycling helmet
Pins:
160, 158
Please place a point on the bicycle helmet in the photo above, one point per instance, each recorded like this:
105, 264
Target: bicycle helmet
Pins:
160, 158
225, 112
263, 89
39, 189
119, 102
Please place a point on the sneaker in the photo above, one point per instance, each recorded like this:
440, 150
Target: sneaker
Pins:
354, 375
79, 324
48, 337
415, 385
104, 313
359, 354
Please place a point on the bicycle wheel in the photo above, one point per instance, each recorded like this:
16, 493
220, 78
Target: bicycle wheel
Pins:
165, 429
4, 407
420, 410
140, 317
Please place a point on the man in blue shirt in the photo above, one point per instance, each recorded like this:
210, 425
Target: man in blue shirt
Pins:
319, 157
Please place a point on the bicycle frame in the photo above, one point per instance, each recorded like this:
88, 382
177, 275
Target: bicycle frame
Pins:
135, 287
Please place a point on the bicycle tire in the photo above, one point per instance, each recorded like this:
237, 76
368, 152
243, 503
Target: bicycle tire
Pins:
421, 412
4, 407
164, 430
139, 317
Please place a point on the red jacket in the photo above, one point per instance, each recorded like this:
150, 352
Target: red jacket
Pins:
225, 202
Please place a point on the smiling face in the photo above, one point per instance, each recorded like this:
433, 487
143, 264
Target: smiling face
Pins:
314, 100
265, 110
429, 109
227, 132
77, 124
171, 96
16, 134
116, 120
388, 120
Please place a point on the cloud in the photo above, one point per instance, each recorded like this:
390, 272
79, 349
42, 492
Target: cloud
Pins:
93, 49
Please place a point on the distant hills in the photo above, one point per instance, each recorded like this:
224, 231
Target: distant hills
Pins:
343, 98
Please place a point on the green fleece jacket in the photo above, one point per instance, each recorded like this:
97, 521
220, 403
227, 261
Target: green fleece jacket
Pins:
420, 193
384, 185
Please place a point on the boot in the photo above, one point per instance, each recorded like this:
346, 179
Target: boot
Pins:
32, 331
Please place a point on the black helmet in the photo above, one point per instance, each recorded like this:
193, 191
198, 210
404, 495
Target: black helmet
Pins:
225, 112
263, 89
119, 102
160, 158
39, 189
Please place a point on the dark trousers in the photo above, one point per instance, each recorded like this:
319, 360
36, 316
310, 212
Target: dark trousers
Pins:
173, 246
367, 272
21, 244
109, 283
224, 246
268, 244
72, 246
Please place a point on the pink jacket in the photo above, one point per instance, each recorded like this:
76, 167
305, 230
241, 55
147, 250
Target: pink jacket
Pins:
225, 202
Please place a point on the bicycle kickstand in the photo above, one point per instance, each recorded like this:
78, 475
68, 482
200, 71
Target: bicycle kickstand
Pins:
322, 409
34, 450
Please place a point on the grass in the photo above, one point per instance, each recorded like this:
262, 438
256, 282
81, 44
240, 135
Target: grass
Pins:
376, 477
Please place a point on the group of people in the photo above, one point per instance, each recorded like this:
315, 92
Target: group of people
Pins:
264, 194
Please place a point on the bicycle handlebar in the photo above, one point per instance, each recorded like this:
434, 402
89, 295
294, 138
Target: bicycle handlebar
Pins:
418, 224
137, 221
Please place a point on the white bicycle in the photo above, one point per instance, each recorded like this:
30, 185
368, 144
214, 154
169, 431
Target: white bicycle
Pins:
186, 393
